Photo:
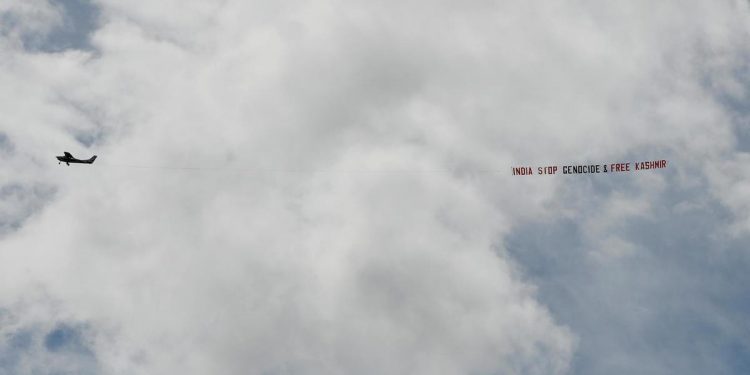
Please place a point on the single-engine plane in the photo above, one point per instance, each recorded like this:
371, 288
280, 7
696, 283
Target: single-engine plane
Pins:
68, 158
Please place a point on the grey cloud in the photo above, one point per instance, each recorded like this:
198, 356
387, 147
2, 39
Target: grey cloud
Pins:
75, 22
727, 78
18, 202
6, 145
89, 127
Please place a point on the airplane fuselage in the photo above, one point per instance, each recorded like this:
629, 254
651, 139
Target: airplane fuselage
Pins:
67, 159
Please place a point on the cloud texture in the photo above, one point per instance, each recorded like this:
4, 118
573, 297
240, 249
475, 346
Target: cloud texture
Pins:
324, 187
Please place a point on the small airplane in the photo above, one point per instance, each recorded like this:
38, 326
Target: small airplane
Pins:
68, 158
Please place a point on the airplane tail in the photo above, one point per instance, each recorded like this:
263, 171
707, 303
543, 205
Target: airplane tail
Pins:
91, 161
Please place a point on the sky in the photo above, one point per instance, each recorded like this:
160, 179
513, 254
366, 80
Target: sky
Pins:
325, 187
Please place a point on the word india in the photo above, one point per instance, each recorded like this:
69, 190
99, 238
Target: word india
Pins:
590, 168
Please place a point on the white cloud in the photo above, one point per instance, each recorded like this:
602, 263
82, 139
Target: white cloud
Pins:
366, 151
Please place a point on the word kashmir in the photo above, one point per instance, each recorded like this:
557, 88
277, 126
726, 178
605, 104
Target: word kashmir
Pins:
590, 168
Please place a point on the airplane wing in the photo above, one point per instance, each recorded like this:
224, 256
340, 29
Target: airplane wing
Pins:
68, 155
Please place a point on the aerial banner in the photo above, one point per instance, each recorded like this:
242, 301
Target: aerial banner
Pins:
589, 168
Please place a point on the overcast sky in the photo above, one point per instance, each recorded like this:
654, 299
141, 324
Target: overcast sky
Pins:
324, 187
